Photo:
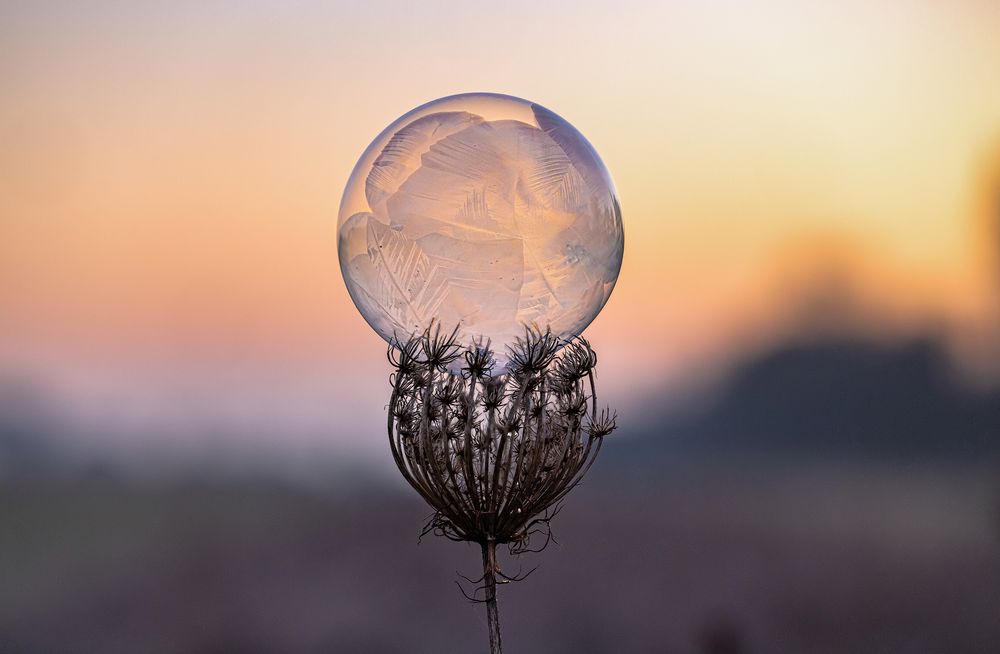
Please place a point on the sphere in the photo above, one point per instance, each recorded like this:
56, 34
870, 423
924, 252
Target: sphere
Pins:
484, 212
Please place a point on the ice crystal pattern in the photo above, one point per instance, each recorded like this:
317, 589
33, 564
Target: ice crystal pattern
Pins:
483, 211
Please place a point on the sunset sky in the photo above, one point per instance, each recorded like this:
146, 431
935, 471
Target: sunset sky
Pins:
170, 174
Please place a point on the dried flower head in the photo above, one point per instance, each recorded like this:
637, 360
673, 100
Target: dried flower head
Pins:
494, 455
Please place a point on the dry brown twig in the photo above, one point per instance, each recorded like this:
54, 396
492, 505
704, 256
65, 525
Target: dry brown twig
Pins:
494, 455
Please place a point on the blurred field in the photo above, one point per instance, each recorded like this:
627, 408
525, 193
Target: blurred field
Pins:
830, 496
686, 559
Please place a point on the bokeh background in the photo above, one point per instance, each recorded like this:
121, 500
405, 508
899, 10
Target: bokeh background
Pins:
804, 344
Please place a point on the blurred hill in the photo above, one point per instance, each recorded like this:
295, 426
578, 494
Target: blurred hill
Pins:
841, 397
25, 438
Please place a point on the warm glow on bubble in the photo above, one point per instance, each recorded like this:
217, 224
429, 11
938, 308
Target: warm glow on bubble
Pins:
480, 211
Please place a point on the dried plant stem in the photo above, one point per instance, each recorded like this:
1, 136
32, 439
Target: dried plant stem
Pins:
490, 584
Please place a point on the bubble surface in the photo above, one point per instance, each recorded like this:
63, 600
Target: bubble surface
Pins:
481, 211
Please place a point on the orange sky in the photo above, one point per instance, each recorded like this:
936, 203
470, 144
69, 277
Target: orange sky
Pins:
170, 175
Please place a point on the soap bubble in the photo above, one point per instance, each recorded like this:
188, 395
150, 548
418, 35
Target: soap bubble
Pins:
481, 211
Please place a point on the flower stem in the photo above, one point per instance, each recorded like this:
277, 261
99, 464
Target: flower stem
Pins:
489, 578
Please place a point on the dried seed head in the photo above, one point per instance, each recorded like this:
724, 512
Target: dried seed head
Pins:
404, 411
420, 379
494, 392
440, 349
510, 424
575, 362
493, 455
450, 391
403, 355
403, 383
603, 424
573, 405
432, 410
479, 360
532, 354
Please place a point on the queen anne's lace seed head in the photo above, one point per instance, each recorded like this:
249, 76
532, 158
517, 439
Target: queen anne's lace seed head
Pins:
494, 455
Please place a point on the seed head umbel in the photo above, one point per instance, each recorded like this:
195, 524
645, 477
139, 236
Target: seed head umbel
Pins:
494, 454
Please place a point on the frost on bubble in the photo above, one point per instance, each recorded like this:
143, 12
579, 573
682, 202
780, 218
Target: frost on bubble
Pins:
485, 224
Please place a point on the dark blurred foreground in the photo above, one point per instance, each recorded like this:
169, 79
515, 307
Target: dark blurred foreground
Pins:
819, 561
834, 497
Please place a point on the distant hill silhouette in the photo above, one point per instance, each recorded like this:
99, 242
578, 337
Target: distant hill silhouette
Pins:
23, 436
842, 397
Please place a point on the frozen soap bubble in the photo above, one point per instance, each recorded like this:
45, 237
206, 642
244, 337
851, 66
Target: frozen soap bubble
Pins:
481, 211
